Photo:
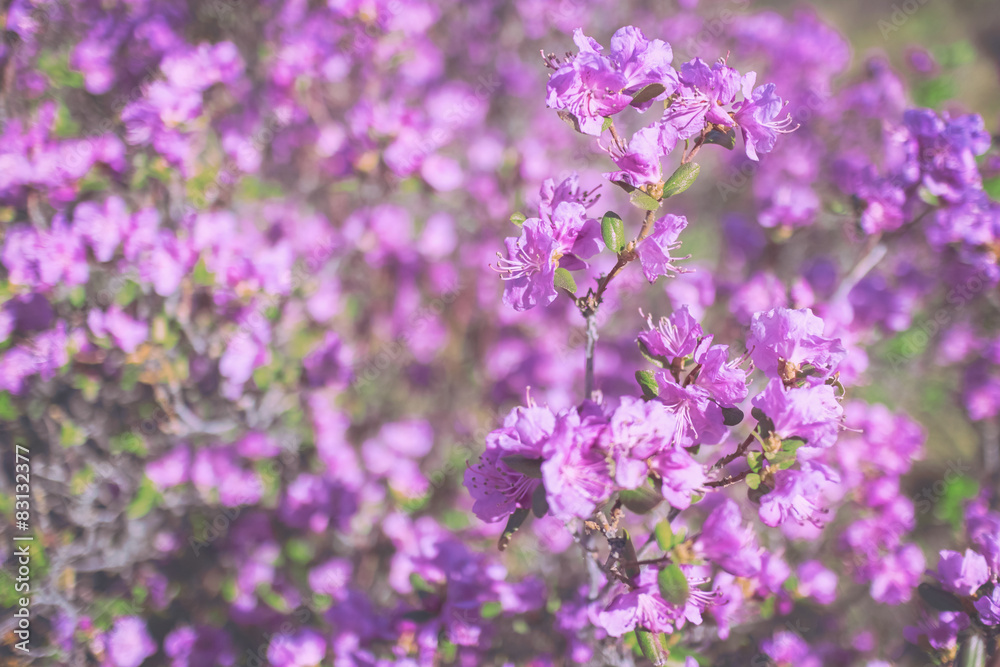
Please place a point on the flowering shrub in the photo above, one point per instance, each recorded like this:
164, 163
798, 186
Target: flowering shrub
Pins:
292, 398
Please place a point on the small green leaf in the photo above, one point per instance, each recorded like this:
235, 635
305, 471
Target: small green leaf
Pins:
513, 523
647, 382
146, 498
539, 503
569, 119
753, 480
664, 535
651, 646
732, 416
518, 218
753, 460
7, 410
608, 120
564, 280
648, 93
72, 435
201, 275
491, 609
528, 467
938, 598
644, 200
654, 359
681, 180
641, 500
614, 232
725, 139
673, 584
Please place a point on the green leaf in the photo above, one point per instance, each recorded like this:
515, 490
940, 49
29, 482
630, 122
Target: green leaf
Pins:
972, 653
564, 280
938, 598
528, 467
491, 610
651, 91
732, 416
614, 232
201, 275
647, 382
146, 498
753, 480
651, 646
539, 503
754, 461
513, 523
299, 551
641, 500
608, 120
644, 200
664, 535
72, 435
654, 359
569, 119
7, 410
681, 180
518, 218
673, 584
725, 139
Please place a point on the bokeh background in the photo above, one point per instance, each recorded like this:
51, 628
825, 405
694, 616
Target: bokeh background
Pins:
251, 338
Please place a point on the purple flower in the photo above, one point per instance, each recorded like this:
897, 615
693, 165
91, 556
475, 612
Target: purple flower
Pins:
331, 578
129, 643
102, 226
811, 412
204, 646
171, 469
126, 332
642, 63
641, 607
757, 117
674, 337
576, 473
984, 534
988, 607
525, 431
703, 95
637, 430
496, 489
654, 250
729, 542
962, 574
897, 574
681, 475
941, 629
588, 86
530, 267
782, 341
699, 418
795, 497
787, 649
817, 582
640, 164
304, 648
724, 380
